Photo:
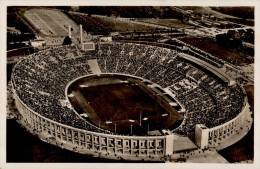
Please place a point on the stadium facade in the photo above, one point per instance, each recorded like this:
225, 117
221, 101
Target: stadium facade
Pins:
40, 81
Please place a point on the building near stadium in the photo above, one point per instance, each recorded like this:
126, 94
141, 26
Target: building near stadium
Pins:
56, 94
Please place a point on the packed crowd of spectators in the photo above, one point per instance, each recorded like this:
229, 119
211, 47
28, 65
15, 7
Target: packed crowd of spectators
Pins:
40, 82
38, 23
90, 24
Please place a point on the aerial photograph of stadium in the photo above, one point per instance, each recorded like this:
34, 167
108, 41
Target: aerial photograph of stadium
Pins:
130, 84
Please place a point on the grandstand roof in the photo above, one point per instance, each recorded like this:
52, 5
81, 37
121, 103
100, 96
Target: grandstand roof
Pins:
222, 75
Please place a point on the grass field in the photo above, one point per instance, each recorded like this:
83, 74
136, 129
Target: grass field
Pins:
209, 45
176, 23
115, 105
121, 26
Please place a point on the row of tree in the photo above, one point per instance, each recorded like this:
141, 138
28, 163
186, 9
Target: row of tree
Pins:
132, 11
241, 12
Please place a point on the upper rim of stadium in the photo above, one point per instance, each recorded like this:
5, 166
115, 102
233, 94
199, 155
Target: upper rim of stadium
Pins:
40, 81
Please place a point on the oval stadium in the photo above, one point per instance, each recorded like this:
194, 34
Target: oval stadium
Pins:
130, 101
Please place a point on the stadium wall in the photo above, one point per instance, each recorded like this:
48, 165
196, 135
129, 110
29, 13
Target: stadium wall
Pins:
230, 132
226, 134
148, 148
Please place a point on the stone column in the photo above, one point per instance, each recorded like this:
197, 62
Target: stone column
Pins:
115, 145
107, 144
131, 146
67, 134
155, 146
100, 143
56, 131
123, 145
79, 138
139, 144
92, 141
148, 146
72, 137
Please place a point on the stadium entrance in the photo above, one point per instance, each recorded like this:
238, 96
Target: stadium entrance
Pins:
122, 104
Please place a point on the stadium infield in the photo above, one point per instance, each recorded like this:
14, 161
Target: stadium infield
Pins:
122, 105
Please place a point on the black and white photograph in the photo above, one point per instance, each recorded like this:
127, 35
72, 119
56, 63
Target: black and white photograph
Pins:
120, 85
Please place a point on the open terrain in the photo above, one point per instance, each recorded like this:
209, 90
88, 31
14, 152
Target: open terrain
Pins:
210, 46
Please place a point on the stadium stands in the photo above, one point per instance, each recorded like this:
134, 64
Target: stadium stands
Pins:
41, 79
